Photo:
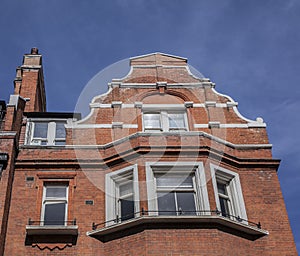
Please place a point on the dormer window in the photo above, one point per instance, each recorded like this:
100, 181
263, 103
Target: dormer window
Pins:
48, 128
42, 133
165, 121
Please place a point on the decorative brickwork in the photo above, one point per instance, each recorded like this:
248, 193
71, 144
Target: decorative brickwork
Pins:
155, 126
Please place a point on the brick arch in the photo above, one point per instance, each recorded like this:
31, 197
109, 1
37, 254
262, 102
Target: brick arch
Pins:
178, 94
169, 97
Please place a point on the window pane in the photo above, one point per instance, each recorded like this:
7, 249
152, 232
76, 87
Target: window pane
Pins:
127, 208
224, 206
174, 180
60, 142
57, 192
221, 188
152, 121
126, 189
54, 214
166, 204
60, 130
223, 198
40, 130
39, 142
186, 203
176, 120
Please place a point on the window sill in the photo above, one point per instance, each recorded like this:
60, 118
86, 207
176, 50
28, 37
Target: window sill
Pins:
41, 146
142, 223
52, 230
166, 132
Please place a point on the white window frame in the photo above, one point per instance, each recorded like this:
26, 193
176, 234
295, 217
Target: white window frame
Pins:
186, 168
164, 118
175, 190
166, 115
51, 132
46, 200
226, 196
119, 182
234, 191
112, 181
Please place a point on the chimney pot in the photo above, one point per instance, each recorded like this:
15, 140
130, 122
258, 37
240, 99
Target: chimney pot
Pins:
34, 50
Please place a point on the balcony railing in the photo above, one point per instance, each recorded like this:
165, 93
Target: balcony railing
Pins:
51, 223
55, 227
178, 213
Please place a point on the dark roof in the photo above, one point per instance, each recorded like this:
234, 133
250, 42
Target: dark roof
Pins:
53, 115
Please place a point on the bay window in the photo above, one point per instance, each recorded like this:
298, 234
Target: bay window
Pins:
125, 199
228, 193
176, 188
176, 194
224, 198
122, 197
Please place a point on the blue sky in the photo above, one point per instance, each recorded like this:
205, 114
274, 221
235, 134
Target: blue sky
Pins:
250, 49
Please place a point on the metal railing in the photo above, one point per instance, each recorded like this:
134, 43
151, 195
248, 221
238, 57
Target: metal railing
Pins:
207, 213
51, 222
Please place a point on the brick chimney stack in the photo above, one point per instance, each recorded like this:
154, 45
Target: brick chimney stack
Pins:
29, 82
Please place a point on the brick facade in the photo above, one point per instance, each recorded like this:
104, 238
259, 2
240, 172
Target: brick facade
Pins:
210, 142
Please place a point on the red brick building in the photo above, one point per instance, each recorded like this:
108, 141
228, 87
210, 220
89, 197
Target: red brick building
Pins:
162, 165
